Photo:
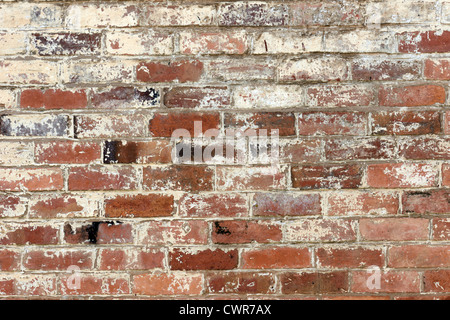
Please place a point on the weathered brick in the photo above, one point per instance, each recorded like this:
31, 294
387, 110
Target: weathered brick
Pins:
179, 178
359, 149
92, 284
286, 204
436, 281
349, 41
332, 123
326, 13
139, 206
349, 257
319, 230
173, 232
28, 72
27, 15
56, 44
232, 42
435, 148
446, 175
98, 71
411, 96
188, 259
130, 259
168, 284
178, 71
48, 206
241, 283
36, 285
31, 179
250, 178
16, 153
276, 258
242, 231
213, 205
12, 206
340, 96
441, 229
366, 69
317, 69
363, 203
125, 98
268, 97
394, 229
424, 42
53, 99
141, 43
400, 12
283, 122
80, 16
179, 15
67, 152
252, 14
34, 125
9, 260
288, 42
59, 260
102, 178
437, 69
299, 150
423, 202
243, 69
107, 126
13, 43
327, 177
405, 123
401, 175
7, 99
197, 97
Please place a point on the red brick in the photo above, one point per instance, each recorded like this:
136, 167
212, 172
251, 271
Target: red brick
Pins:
163, 125
314, 282
179, 178
362, 203
67, 152
53, 99
435, 148
424, 202
125, 97
359, 149
7, 287
284, 122
395, 229
232, 42
197, 98
406, 123
401, 175
139, 206
424, 42
156, 151
31, 179
65, 44
98, 233
385, 70
96, 285
441, 229
36, 285
102, 178
276, 258
391, 281
173, 232
130, 259
349, 257
447, 122
232, 178
48, 206
332, 123
168, 284
340, 96
12, 206
286, 204
437, 69
419, 256
436, 281
241, 231
241, 283
411, 96
313, 69
327, 177
319, 230
59, 260
296, 151
213, 205
180, 71
446, 175
9, 260
189, 259
24, 234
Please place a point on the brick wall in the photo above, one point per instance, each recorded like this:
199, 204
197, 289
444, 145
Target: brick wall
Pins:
90, 93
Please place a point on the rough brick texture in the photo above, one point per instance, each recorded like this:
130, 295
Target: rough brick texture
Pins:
93, 185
